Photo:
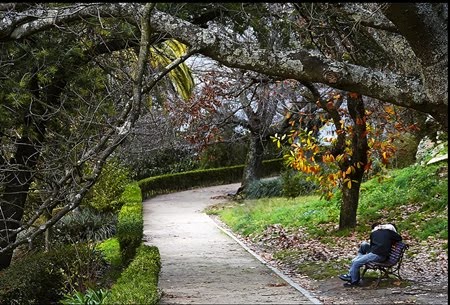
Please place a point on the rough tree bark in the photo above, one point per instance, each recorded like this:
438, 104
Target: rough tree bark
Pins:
15, 194
253, 164
358, 160
258, 123
425, 27
416, 93
306, 66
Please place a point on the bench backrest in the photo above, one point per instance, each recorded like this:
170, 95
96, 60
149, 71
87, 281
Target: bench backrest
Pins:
396, 253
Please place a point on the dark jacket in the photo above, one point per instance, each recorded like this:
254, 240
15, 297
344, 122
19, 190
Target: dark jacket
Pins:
381, 241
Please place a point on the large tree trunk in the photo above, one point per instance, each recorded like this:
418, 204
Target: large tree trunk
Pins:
349, 207
15, 195
18, 181
350, 195
253, 166
304, 66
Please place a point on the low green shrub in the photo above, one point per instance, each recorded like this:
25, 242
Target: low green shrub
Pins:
207, 177
111, 251
44, 278
130, 223
295, 184
181, 181
263, 188
90, 297
138, 284
104, 195
131, 194
85, 224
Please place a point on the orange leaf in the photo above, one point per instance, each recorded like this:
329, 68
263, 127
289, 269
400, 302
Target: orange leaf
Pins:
389, 110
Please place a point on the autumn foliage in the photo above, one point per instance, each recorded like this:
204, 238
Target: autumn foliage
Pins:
332, 167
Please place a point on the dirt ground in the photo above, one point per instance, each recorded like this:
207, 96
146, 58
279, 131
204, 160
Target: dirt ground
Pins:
201, 265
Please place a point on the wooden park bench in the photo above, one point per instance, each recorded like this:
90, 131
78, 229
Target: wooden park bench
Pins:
391, 265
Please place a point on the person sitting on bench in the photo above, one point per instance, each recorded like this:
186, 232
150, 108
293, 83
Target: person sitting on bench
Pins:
382, 237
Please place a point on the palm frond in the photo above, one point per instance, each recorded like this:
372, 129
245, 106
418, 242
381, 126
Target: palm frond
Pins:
181, 77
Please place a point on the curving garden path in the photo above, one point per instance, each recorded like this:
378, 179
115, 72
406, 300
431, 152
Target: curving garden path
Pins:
203, 263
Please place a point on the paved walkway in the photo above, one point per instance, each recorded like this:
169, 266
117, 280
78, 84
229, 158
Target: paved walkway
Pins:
201, 264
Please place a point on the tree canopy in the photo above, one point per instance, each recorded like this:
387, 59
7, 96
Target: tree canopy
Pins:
421, 37
74, 77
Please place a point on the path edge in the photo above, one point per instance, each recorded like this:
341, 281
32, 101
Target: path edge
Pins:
303, 291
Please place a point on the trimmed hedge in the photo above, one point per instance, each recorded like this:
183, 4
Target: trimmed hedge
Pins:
138, 284
130, 225
44, 277
207, 177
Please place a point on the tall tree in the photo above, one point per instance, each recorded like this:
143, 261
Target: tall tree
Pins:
249, 103
65, 110
412, 72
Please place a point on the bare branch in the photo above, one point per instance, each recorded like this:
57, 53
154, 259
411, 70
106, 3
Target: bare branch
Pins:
298, 64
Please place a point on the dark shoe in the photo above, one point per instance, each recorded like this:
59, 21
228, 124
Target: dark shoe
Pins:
353, 284
345, 277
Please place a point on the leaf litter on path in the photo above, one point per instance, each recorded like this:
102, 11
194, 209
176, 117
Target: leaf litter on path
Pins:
424, 269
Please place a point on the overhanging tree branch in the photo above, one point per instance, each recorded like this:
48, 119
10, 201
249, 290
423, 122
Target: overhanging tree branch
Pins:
299, 64
73, 183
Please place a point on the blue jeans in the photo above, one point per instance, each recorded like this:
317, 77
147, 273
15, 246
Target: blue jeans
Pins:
363, 257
